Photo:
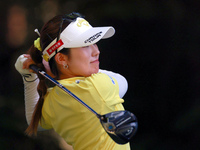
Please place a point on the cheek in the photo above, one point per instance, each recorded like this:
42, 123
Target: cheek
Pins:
79, 66
81, 61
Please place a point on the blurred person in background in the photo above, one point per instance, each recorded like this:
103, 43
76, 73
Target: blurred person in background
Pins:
14, 37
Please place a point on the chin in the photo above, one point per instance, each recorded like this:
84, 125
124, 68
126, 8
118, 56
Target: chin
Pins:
94, 72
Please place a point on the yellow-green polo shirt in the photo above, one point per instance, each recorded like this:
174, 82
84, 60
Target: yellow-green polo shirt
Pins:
75, 123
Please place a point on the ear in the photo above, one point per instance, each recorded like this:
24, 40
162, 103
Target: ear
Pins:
61, 58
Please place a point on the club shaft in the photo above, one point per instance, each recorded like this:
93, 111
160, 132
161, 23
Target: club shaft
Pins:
43, 73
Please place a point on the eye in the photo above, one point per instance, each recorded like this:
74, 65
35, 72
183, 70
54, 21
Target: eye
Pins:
95, 45
86, 46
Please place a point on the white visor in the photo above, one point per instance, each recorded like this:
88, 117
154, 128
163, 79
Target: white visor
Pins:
77, 34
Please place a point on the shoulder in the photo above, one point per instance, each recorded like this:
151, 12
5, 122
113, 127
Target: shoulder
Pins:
103, 81
102, 78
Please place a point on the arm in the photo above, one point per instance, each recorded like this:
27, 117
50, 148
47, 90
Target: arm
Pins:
123, 84
30, 81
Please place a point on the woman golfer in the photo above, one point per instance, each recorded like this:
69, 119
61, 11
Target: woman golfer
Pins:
67, 45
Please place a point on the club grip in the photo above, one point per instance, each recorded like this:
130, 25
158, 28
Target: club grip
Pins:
35, 68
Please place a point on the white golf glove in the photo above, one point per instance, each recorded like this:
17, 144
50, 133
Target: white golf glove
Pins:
27, 75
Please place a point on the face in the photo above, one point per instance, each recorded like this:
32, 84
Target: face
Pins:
83, 61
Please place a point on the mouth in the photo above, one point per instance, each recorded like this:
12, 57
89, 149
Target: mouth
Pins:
95, 61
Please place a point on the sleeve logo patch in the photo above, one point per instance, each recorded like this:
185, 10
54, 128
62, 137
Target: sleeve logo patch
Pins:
112, 80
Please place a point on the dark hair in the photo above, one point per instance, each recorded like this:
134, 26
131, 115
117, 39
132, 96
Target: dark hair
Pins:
49, 32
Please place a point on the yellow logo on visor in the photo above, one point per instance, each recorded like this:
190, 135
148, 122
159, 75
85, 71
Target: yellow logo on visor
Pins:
82, 22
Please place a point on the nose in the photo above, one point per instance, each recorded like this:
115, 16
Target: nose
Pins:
95, 50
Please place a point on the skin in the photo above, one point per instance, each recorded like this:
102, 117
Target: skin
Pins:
83, 61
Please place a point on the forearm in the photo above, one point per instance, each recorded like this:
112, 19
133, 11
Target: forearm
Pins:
31, 95
31, 98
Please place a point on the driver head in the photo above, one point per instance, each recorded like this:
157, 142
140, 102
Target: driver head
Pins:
120, 125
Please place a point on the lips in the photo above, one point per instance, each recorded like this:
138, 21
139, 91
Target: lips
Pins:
95, 61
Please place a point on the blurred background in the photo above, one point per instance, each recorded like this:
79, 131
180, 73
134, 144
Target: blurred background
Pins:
156, 47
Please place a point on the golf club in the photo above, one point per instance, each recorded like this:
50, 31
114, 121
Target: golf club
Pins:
121, 126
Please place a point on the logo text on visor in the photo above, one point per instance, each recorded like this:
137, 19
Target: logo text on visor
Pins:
94, 37
55, 47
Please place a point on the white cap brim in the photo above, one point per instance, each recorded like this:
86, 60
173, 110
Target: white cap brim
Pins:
78, 34
89, 37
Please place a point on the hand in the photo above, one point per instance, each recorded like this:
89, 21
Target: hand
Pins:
28, 62
24, 61
22, 66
